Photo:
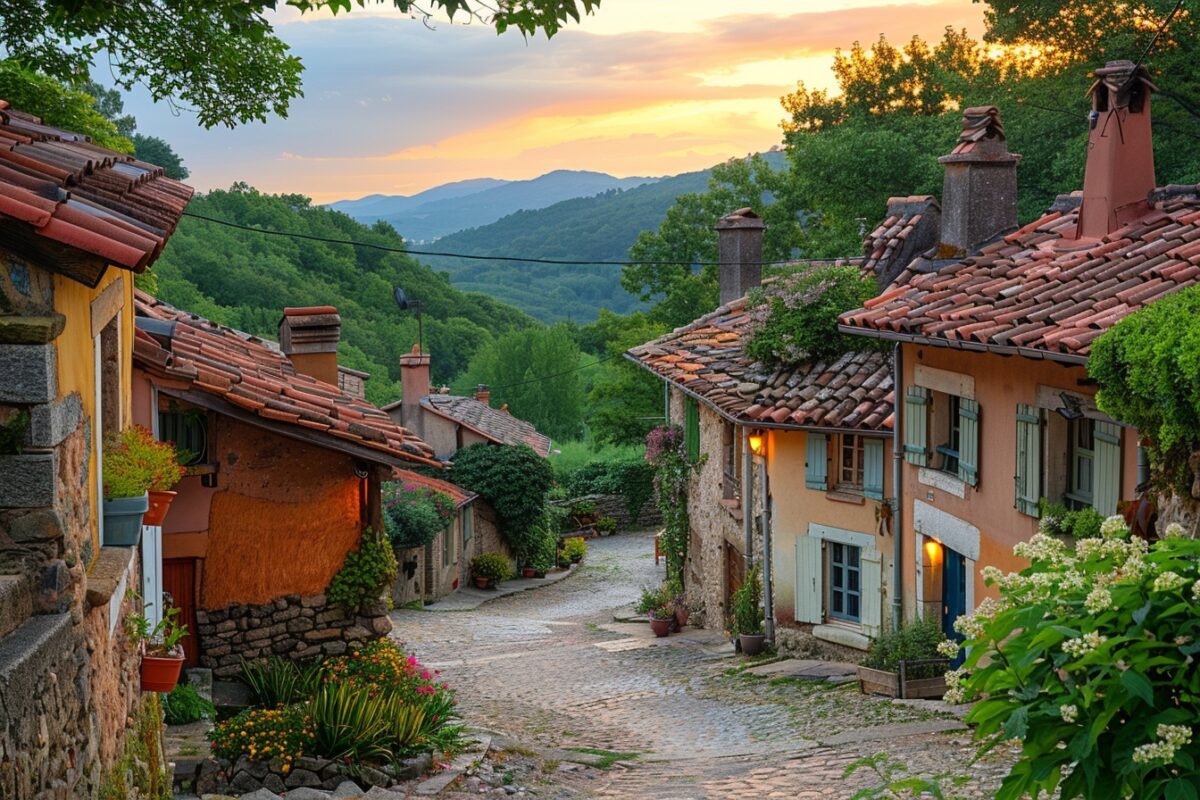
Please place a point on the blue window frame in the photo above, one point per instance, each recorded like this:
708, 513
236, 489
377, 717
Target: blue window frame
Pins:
845, 586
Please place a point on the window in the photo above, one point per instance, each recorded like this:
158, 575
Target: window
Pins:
844, 582
1076, 462
941, 431
731, 444
691, 427
850, 474
187, 429
1081, 462
468, 523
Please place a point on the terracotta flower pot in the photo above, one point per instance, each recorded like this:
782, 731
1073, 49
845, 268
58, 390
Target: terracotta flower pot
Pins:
752, 643
160, 503
528, 572
482, 582
661, 627
160, 673
681, 615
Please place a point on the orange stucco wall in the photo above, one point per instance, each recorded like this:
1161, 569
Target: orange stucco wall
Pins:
1000, 384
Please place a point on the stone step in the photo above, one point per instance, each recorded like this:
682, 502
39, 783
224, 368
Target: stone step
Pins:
16, 603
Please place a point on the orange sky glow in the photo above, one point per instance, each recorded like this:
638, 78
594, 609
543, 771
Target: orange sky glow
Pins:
393, 107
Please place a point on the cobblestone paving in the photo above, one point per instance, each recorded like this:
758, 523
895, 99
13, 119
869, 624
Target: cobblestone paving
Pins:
550, 668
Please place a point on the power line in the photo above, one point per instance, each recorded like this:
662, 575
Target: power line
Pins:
1161, 30
473, 257
541, 378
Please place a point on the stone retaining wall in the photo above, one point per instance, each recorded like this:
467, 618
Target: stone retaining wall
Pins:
613, 505
294, 627
245, 776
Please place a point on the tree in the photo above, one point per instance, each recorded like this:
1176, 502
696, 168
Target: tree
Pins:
221, 58
154, 150
624, 401
59, 105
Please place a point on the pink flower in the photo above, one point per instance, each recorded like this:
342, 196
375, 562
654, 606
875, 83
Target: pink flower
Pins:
425, 675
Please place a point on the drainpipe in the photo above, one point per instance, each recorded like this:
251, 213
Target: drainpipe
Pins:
768, 604
897, 471
747, 500
666, 403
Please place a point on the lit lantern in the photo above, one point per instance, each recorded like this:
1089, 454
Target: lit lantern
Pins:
758, 443
933, 550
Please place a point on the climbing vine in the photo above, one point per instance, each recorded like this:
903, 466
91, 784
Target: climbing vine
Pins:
666, 452
365, 573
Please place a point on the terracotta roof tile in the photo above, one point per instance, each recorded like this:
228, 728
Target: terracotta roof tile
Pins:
498, 426
1057, 295
84, 196
253, 375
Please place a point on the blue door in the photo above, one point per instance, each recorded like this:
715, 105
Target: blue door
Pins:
954, 594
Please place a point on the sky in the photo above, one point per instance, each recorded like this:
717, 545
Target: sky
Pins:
643, 87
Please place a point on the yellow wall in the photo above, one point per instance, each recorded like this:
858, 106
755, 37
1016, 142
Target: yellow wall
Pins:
76, 364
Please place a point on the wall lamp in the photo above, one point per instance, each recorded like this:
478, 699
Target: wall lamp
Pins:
758, 443
1072, 408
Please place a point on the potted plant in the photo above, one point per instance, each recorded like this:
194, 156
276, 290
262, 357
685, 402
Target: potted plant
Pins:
606, 525
162, 654
584, 512
528, 571
907, 662
574, 549
489, 569
136, 465
674, 589
747, 618
661, 619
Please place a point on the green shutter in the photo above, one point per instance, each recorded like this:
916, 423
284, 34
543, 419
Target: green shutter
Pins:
1028, 478
873, 468
809, 568
916, 426
968, 441
871, 592
1107, 468
691, 427
816, 467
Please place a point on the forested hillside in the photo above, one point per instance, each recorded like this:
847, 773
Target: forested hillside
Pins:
245, 279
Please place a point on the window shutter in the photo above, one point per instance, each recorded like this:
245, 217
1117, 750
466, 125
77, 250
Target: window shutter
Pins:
916, 425
968, 441
808, 580
816, 468
871, 583
1028, 478
873, 468
1107, 467
691, 427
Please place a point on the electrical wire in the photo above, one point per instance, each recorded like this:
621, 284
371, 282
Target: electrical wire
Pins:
541, 378
405, 251
1161, 30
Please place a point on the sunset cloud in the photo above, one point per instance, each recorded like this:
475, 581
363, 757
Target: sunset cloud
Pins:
393, 107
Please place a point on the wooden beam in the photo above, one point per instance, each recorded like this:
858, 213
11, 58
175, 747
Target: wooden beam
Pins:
108, 304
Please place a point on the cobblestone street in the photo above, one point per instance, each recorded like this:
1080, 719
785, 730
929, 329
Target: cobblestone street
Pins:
550, 668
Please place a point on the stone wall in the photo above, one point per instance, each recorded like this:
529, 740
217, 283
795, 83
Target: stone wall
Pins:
294, 627
614, 505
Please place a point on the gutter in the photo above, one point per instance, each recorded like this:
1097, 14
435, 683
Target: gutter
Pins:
958, 344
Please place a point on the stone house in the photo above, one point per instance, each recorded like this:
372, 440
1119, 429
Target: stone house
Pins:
439, 568
993, 348
285, 475
826, 429
77, 222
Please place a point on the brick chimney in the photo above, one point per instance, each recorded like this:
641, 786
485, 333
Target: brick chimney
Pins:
739, 248
1120, 160
979, 188
414, 383
309, 337
482, 393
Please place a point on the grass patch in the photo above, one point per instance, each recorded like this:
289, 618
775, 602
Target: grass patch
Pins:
519, 750
607, 757
550, 765
414, 605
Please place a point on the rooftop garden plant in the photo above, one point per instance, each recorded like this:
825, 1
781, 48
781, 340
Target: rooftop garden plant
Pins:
414, 515
1087, 660
135, 463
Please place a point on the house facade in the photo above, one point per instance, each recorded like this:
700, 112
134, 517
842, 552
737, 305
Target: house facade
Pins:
284, 476
999, 411
77, 222
442, 566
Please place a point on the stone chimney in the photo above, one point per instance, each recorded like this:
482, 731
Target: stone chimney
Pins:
309, 337
482, 393
1120, 159
979, 188
414, 379
739, 248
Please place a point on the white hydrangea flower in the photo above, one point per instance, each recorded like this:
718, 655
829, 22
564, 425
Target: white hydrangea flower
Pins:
1196, 590
1073, 581
1113, 526
1086, 548
1155, 751
1098, 600
992, 575
969, 625
1068, 712
948, 648
1174, 531
1041, 548
1168, 581
1083, 645
1174, 735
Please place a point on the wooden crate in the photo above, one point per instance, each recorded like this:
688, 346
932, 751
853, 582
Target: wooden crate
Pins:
888, 684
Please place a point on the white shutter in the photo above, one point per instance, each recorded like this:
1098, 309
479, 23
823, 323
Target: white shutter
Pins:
873, 468
808, 580
871, 586
968, 441
1107, 468
1028, 475
916, 425
816, 468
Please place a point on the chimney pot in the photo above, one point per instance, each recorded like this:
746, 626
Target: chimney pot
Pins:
739, 248
309, 338
414, 384
482, 393
979, 187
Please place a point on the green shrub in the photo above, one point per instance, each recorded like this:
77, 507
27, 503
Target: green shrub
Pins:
583, 508
283, 733
493, 566
365, 573
631, 478
514, 480
747, 602
544, 539
917, 640
349, 722
414, 515
184, 704
574, 548
279, 681
1058, 520
1087, 661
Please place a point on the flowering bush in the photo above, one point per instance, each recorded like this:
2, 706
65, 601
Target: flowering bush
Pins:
1088, 660
414, 515
134, 462
263, 734
382, 666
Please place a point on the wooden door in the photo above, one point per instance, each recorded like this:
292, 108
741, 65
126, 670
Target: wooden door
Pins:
735, 572
179, 581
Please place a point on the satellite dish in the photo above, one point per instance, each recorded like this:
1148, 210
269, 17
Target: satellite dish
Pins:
401, 298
